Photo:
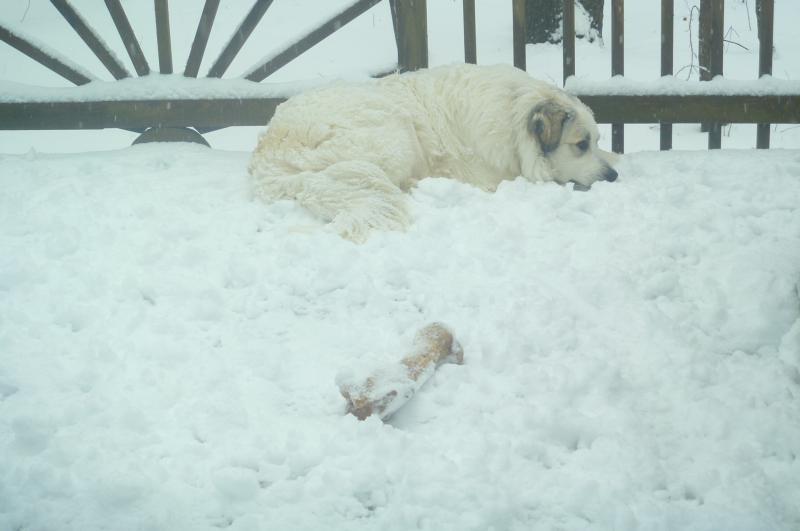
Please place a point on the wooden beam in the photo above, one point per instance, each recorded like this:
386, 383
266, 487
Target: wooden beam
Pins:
128, 37
411, 33
766, 24
667, 53
163, 37
470, 40
201, 38
294, 50
617, 65
712, 24
51, 62
518, 29
694, 109
717, 43
568, 40
87, 34
225, 112
238, 39
132, 114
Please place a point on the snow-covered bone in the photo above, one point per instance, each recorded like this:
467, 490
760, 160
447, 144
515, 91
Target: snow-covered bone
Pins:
389, 388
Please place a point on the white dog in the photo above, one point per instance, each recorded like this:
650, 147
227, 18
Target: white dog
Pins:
350, 152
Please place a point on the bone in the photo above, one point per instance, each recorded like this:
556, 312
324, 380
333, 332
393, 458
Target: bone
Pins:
387, 389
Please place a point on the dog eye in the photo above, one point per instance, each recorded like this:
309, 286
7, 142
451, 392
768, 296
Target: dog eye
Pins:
583, 145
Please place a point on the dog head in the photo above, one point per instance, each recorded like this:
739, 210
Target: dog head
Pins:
567, 135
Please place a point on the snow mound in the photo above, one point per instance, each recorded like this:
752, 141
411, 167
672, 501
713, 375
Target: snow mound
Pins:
169, 349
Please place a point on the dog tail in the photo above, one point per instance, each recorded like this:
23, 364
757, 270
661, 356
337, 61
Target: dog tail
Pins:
354, 196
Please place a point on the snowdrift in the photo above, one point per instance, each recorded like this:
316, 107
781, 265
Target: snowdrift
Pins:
169, 349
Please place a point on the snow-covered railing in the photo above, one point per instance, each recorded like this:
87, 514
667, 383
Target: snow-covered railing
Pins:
179, 106
668, 101
671, 100
197, 104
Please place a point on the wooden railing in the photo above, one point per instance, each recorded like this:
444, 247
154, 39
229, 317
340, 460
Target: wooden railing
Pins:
619, 109
160, 117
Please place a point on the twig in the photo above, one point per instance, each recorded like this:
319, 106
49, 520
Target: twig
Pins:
747, 9
737, 44
728, 33
684, 67
691, 43
25, 14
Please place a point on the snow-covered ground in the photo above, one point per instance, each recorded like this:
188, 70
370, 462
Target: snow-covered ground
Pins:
169, 347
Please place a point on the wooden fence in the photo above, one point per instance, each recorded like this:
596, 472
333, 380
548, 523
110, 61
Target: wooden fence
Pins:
664, 109
185, 119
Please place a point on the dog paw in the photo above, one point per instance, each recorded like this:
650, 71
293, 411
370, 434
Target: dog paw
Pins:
357, 222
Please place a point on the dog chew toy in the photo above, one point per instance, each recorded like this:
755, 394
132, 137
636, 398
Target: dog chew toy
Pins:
389, 388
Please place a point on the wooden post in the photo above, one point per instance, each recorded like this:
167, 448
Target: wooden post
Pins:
411, 33
712, 24
518, 25
765, 31
667, 31
617, 65
568, 40
704, 47
715, 65
470, 41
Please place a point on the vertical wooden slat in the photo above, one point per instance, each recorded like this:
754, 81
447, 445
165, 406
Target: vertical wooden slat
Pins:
710, 56
201, 38
128, 37
568, 41
715, 39
766, 23
47, 60
91, 39
238, 39
667, 32
704, 47
162, 34
470, 41
411, 33
295, 49
617, 65
518, 12
704, 40
717, 35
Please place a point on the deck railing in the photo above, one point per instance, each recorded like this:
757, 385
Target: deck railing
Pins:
666, 109
185, 119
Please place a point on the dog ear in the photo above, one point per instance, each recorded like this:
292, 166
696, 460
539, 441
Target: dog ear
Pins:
546, 122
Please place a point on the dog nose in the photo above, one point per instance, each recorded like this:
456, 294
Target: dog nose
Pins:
610, 175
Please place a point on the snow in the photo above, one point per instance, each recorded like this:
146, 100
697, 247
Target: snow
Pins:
172, 347
158, 86
669, 85
169, 347
176, 86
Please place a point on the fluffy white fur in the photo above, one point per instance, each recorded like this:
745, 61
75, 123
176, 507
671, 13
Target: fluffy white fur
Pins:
349, 152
